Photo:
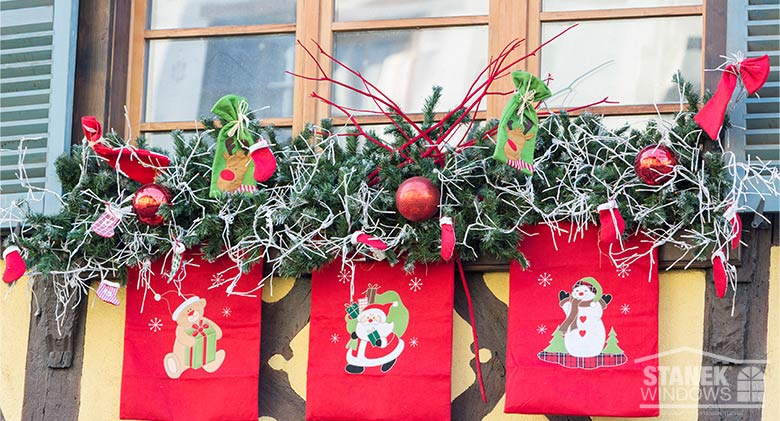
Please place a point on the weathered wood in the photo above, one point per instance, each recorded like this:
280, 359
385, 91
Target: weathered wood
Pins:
741, 336
117, 78
282, 321
54, 356
714, 40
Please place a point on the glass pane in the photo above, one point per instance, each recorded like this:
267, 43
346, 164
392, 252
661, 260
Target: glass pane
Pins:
405, 65
164, 140
168, 14
382, 9
568, 5
635, 67
185, 77
638, 122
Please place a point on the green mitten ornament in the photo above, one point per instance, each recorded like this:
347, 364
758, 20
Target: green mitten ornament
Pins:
233, 168
519, 123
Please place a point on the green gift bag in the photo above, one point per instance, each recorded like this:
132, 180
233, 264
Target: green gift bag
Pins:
232, 171
519, 123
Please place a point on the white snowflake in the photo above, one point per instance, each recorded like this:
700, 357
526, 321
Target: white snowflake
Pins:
345, 276
334, 338
217, 280
415, 284
155, 325
623, 271
226, 312
541, 329
413, 342
545, 279
625, 308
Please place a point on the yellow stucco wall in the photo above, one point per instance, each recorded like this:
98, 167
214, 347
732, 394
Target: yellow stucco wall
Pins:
14, 332
771, 405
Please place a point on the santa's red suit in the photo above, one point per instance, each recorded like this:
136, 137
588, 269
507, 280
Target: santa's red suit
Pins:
374, 319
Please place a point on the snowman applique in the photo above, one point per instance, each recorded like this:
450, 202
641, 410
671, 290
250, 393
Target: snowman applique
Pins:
378, 345
583, 331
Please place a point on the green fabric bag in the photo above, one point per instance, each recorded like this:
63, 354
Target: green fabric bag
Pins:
232, 170
519, 123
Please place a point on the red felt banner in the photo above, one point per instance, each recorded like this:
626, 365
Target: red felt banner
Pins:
385, 351
582, 329
194, 356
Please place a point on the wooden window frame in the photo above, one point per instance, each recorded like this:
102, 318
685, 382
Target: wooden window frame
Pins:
506, 20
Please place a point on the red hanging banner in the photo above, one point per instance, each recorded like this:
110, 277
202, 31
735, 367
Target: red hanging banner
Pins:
583, 327
192, 354
381, 349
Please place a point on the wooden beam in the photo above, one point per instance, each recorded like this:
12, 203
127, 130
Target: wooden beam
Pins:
117, 72
507, 23
713, 40
380, 119
220, 31
415, 23
624, 13
626, 109
136, 67
304, 107
168, 126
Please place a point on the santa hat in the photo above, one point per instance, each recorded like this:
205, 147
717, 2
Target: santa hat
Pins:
384, 308
185, 304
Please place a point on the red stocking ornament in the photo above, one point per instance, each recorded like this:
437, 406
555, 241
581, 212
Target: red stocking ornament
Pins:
612, 224
447, 238
137, 164
14, 265
736, 225
359, 237
265, 163
719, 273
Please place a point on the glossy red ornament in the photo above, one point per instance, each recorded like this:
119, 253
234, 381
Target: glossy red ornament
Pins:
147, 202
654, 164
417, 199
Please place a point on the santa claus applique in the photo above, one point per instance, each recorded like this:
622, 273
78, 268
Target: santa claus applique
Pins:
376, 341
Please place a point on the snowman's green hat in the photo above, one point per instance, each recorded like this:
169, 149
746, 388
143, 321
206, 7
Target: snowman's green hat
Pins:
593, 284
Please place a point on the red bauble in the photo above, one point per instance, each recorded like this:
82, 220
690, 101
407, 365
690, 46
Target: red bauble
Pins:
147, 202
417, 199
654, 164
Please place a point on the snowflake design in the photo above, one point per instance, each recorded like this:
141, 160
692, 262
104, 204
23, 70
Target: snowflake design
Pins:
623, 271
415, 284
345, 276
541, 329
545, 279
155, 325
334, 338
413, 342
217, 280
625, 309
226, 312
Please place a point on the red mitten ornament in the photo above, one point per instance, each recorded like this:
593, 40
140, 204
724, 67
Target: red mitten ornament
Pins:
359, 237
265, 163
447, 238
612, 224
719, 274
14, 265
137, 164
107, 292
736, 225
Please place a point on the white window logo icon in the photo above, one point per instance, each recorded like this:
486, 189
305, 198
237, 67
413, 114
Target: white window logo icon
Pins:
750, 385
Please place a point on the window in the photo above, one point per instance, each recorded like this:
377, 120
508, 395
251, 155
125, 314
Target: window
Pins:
186, 54
37, 57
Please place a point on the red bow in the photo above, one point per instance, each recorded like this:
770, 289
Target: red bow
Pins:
753, 71
197, 329
138, 164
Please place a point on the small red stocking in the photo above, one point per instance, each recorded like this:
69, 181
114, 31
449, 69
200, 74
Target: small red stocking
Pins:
359, 237
719, 274
612, 224
14, 265
265, 163
736, 227
107, 292
447, 237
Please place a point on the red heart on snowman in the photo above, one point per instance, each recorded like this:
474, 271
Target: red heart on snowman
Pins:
582, 318
582, 332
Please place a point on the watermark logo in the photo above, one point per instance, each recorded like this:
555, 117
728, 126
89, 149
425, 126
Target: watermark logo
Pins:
719, 382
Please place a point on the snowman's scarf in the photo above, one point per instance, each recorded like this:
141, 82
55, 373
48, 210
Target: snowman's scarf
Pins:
575, 311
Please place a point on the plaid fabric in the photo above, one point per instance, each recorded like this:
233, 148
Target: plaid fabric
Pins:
105, 224
569, 361
520, 165
107, 292
244, 189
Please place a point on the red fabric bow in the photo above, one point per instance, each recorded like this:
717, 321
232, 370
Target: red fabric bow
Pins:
137, 164
753, 71
198, 329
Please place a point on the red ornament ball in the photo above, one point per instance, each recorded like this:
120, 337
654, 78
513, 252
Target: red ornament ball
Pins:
147, 202
417, 199
654, 164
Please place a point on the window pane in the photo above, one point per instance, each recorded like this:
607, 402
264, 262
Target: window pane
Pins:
382, 9
186, 77
635, 66
405, 64
638, 122
169, 14
568, 5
